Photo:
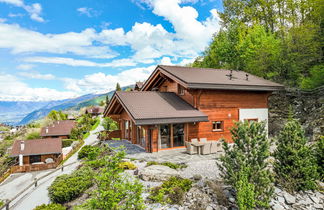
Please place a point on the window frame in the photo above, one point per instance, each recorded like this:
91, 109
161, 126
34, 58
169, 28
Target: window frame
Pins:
215, 128
181, 90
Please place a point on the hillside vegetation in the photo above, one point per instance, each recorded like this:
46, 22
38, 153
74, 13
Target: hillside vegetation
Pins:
280, 40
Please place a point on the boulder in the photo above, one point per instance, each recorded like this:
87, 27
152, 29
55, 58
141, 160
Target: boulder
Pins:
289, 198
157, 173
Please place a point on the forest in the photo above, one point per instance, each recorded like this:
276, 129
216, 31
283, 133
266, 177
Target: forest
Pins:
280, 40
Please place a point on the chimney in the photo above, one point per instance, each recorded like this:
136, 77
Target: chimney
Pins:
22, 146
247, 77
46, 130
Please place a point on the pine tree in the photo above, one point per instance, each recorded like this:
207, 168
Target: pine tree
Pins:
107, 100
247, 159
118, 87
295, 165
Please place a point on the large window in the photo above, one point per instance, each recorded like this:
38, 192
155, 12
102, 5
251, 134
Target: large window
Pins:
178, 135
34, 159
218, 126
165, 136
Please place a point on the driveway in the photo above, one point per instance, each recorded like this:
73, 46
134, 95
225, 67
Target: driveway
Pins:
35, 196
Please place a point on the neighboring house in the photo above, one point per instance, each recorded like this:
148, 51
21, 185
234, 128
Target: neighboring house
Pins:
94, 111
37, 154
138, 86
177, 104
59, 129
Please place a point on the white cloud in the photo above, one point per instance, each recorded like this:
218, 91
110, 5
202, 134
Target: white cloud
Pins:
101, 83
75, 62
25, 66
2, 20
12, 89
37, 75
166, 61
21, 40
34, 10
90, 12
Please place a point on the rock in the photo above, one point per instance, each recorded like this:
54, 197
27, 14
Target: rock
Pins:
314, 199
209, 208
281, 199
277, 190
232, 200
289, 198
197, 177
157, 173
318, 206
277, 206
305, 201
197, 199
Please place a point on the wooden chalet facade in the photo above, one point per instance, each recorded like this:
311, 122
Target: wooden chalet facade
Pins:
177, 104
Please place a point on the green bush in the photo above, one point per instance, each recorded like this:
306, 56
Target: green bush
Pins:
295, 165
319, 155
1, 203
169, 164
114, 189
88, 151
67, 142
66, 187
96, 124
33, 135
245, 192
51, 206
249, 155
127, 166
109, 124
171, 191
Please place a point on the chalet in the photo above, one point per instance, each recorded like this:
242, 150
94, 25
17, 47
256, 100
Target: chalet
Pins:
37, 154
138, 86
177, 104
94, 111
59, 129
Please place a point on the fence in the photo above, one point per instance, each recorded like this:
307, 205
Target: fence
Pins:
38, 167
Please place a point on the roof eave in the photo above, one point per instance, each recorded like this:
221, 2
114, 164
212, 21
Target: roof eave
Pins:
234, 87
158, 121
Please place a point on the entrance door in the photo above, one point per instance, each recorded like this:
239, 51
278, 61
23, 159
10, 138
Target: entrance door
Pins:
34, 159
165, 136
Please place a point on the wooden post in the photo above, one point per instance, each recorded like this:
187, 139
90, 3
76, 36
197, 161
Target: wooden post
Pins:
35, 182
171, 135
62, 168
7, 204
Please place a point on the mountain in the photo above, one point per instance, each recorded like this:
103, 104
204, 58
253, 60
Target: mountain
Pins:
66, 104
12, 112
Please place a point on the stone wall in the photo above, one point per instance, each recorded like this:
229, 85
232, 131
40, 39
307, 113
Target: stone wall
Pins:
307, 106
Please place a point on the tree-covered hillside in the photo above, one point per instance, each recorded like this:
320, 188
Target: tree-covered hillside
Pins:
280, 40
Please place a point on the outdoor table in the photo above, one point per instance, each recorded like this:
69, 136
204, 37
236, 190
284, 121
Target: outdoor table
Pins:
199, 147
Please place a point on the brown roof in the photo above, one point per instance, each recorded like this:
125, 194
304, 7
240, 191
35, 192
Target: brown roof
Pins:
58, 128
138, 85
37, 147
95, 110
206, 78
150, 107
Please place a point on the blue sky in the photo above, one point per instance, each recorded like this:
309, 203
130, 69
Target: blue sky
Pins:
61, 49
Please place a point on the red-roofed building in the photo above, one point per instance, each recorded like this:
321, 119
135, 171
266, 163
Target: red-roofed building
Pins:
94, 110
37, 154
59, 129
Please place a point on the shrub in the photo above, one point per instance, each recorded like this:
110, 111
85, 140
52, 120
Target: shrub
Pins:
109, 124
319, 155
245, 192
66, 187
1, 203
295, 165
116, 191
97, 122
171, 191
127, 166
67, 142
169, 164
88, 151
250, 151
51, 206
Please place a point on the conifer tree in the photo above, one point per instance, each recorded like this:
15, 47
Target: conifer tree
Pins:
118, 87
107, 100
295, 165
244, 166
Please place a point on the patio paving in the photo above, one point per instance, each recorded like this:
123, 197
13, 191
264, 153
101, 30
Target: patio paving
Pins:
173, 155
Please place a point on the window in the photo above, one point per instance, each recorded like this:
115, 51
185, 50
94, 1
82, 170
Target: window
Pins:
181, 90
218, 126
252, 120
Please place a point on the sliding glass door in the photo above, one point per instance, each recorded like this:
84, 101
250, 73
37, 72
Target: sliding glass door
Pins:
165, 136
178, 135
